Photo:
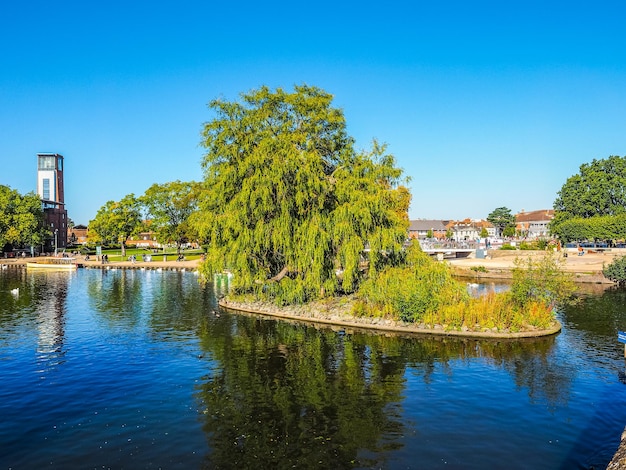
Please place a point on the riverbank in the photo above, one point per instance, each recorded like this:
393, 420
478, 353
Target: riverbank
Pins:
499, 264
93, 263
336, 312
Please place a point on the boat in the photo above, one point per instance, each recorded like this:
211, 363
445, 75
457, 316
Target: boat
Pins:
53, 263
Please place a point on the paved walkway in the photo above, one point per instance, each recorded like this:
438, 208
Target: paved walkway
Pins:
94, 263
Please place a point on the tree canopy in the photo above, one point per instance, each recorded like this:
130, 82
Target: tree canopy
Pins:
169, 207
116, 221
502, 219
598, 190
21, 218
288, 204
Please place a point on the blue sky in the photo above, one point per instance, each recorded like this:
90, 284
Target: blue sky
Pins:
484, 104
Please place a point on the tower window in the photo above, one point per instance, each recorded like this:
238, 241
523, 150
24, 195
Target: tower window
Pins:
46, 188
46, 162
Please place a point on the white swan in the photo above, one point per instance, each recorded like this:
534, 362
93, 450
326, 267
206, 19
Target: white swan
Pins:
15, 291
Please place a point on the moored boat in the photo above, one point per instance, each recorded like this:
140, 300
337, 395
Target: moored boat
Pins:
52, 263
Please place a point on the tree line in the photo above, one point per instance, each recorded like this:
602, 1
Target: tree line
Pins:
290, 204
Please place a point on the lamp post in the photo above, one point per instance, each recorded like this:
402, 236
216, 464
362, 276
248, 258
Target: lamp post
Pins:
56, 231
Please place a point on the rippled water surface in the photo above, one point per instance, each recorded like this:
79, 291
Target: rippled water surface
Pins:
140, 369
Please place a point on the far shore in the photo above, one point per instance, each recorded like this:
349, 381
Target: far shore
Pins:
92, 262
499, 264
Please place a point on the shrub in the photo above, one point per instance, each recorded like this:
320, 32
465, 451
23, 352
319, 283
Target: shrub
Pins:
408, 293
541, 280
508, 246
616, 271
425, 292
479, 269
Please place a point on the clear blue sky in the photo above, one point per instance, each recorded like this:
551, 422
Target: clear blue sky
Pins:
484, 104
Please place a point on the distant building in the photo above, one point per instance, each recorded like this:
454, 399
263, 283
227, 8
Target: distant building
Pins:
419, 228
144, 240
469, 229
534, 224
50, 190
77, 235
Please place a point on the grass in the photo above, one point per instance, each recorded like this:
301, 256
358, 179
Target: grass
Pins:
170, 254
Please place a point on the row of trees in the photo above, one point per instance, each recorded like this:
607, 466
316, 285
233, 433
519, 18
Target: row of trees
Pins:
21, 219
164, 209
591, 205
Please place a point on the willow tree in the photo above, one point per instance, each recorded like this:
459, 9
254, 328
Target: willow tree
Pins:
289, 205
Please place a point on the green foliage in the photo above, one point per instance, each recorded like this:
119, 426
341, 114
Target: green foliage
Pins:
425, 292
409, 292
598, 190
169, 208
508, 246
116, 221
479, 269
287, 203
616, 271
503, 220
542, 280
21, 218
484, 233
608, 227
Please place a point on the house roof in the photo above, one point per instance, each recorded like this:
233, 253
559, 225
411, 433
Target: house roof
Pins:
423, 225
535, 216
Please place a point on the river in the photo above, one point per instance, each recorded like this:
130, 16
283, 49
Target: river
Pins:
141, 369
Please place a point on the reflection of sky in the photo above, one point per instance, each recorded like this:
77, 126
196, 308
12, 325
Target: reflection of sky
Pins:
484, 288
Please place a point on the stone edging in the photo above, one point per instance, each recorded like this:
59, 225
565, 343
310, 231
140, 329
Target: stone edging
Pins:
389, 326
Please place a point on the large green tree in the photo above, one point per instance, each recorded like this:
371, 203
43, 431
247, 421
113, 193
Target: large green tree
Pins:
288, 204
21, 219
598, 190
116, 221
168, 207
503, 220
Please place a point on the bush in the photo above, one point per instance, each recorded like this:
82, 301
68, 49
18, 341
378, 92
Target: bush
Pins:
616, 271
508, 246
541, 280
425, 292
408, 293
479, 269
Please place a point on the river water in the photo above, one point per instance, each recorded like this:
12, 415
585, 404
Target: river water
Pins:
141, 369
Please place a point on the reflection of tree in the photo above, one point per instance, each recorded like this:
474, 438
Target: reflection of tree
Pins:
292, 395
286, 394
117, 295
178, 303
600, 313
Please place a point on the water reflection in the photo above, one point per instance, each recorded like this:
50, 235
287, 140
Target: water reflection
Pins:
38, 301
182, 382
295, 395
50, 306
